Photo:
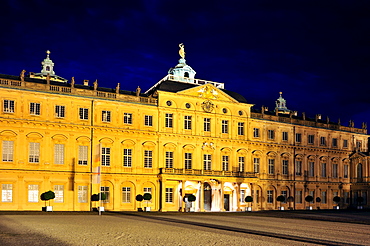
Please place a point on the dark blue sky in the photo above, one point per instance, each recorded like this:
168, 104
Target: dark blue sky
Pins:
316, 52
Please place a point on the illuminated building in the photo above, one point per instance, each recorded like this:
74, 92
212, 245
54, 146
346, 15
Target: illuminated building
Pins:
182, 136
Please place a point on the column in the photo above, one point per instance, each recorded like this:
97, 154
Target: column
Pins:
201, 198
222, 208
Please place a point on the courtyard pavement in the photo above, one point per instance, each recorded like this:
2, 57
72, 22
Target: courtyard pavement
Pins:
153, 228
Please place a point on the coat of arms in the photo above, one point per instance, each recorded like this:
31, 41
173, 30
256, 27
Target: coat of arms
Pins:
207, 106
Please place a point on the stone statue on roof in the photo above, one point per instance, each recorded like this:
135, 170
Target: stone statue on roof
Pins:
73, 82
182, 50
22, 75
117, 88
95, 85
138, 90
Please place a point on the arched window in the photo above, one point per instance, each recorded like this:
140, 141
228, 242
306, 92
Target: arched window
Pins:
359, 171
47, 68
186, 75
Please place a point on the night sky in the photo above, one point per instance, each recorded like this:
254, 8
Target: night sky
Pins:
316, 52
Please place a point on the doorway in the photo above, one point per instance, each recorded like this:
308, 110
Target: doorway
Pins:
207, 197
227, 202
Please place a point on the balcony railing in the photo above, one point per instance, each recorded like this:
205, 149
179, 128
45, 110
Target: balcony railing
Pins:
201, 172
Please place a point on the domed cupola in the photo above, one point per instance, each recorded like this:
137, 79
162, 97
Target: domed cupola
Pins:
182, 71
281, 105
48, 70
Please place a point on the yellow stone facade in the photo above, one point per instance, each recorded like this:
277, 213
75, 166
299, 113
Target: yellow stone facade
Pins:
171, 143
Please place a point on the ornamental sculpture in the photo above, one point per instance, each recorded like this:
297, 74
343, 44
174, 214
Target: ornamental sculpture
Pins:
208, 106
182, 50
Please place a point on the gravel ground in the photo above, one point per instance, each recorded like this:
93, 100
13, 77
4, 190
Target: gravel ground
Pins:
271, 228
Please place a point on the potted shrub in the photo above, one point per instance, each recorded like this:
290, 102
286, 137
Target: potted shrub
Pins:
318, 200
280, 199
139, 198
249, 200
95, 198
336, 199
47, 196
147, 197
359, 201
309, 199
191, 198
290, 200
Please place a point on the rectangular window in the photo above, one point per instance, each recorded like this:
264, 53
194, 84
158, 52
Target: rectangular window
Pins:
127, 118
335, 170
188, 160
169, 194
256, 132
241, 162
225, 126
105, 190
148, 120
225, 163
8, 106
256, 165
335, 142
82, 194
82, 155
59, 154
298, 196
323, 141
207, 124
169, 120
84, 113
34, 153
311, 169
147, 190
298, 137
358, 145
126, 194
187, 122
345, 171
298, 168
240, 128
60, 111
105, 156
323, 170
148, 159
285, 136
59, 193
271, 134
271, 166
207, 162
270, 196
346, 197
169, 159
33, 193
105, 116
35, 108
285, 167
311, 139
7, 151
127, 157
345, 143
323, 197
6, 192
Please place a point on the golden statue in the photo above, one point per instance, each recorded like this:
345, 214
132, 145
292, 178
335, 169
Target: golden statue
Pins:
182, 51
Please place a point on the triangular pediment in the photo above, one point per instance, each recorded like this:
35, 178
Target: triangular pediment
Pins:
207, 91
358, 155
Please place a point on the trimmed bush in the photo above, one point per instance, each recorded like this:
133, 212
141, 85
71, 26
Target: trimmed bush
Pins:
139, 198
336, 199
309, 199
280, 198
248, 199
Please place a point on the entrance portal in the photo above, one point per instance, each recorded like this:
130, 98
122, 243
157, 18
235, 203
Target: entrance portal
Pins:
207, 197
227, 202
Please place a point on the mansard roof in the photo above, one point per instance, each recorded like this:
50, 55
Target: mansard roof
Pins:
175, 86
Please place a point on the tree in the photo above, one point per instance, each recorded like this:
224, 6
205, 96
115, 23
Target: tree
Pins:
280, 199
191, 198
147, 197
336, 199
309, 199
47, 196
95, 197
318, 199
139, 198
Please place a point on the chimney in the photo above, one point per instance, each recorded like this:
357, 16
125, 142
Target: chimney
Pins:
86, 82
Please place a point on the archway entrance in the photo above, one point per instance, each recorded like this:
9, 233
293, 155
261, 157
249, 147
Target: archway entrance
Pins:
207, 197
227, 202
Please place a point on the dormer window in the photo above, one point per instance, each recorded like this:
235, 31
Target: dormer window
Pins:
47, 68
186, 75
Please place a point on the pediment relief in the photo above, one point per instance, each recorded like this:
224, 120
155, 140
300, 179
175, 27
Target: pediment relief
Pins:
357, 155
83, 139
188, 147
242, 151
128, 142
8, 133
272, 154
106, 141
34, 135
226, 150
207, 92
170, 146
149, 144
59, 137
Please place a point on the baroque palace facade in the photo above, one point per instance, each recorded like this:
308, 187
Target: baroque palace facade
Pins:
182, 136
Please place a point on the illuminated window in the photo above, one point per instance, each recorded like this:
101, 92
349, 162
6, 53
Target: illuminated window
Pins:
126, 194
285, 167
127, 118
148, 158
34, 153
225, 126
187, 122
225, 163
256, 165
148, 121
207, 162
84, 113
82, 194
35, 108
60, 111
270, 196
207, 124
82, 155
241, 162
271, 166
8, 106
169, 120
188, 160
59, 193
105, 190
33, 193
256, 132
59, 154
169, 195
6, 192
7, 151
105, 116
169, 159
127, 157
240, 128
105, 156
